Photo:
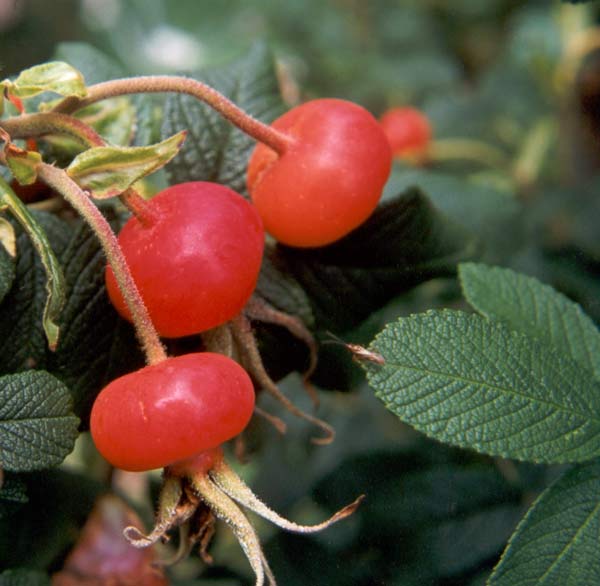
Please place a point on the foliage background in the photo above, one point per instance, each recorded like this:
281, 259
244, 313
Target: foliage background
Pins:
495, 72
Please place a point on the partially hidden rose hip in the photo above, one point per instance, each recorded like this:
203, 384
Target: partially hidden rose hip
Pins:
408, 131
195, 255
329, 178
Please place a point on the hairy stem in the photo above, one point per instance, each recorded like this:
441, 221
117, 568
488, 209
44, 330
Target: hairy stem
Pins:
264, 133
36, 125
63, 184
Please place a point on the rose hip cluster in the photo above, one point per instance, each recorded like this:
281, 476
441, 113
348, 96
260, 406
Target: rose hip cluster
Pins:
194, 252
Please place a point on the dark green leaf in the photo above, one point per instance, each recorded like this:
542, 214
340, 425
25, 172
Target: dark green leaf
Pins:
534, 309
215, 150
23, 343
55, 289
40, 534
474, 383
37, 427
557, 541
404, 243
13, 494
280, 289
96, 345
24, 577
487, 212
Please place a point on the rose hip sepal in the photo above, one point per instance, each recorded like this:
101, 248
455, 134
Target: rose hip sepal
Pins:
329, 178
195, 254
175, 414
171, 411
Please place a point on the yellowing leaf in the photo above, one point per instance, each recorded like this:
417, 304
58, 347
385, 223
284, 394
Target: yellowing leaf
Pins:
55, 76
111, 170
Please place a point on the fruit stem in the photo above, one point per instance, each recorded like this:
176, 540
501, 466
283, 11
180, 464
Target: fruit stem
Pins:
278, 141
36, 125
139, 207
58, 180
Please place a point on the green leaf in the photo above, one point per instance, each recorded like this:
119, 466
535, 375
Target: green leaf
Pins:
56, 76
98, 67
39, 534
24, 577
280, 289
557, 541
490, 214
22, 164
7, 261
534, 309
404, 243
96, 345
215, 149
477, 384
54, 278
37, 427
109, 171
13, 494
23, 342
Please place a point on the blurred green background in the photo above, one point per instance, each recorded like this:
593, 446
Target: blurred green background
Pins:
493, 71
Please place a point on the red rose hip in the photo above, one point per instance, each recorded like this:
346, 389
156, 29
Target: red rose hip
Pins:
195, 260
171, 411
329, 178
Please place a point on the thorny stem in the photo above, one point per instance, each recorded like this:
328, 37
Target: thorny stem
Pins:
63, 184
264, 133
36, 125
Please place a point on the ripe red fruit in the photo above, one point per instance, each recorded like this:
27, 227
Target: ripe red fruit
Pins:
171, 411
196, 261
329, 179
408, 131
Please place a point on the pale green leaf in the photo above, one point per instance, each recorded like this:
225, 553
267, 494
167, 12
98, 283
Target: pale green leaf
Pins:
470, 382
534, 309
55, 287
111, 170
557, 541
22, 164
37, 427
56, 76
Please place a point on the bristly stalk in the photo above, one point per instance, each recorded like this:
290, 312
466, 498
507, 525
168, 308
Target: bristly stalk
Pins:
63, 184
278, 141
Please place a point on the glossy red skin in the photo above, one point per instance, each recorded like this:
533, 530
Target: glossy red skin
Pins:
329, 181
408, 131
171, 411
197, 264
